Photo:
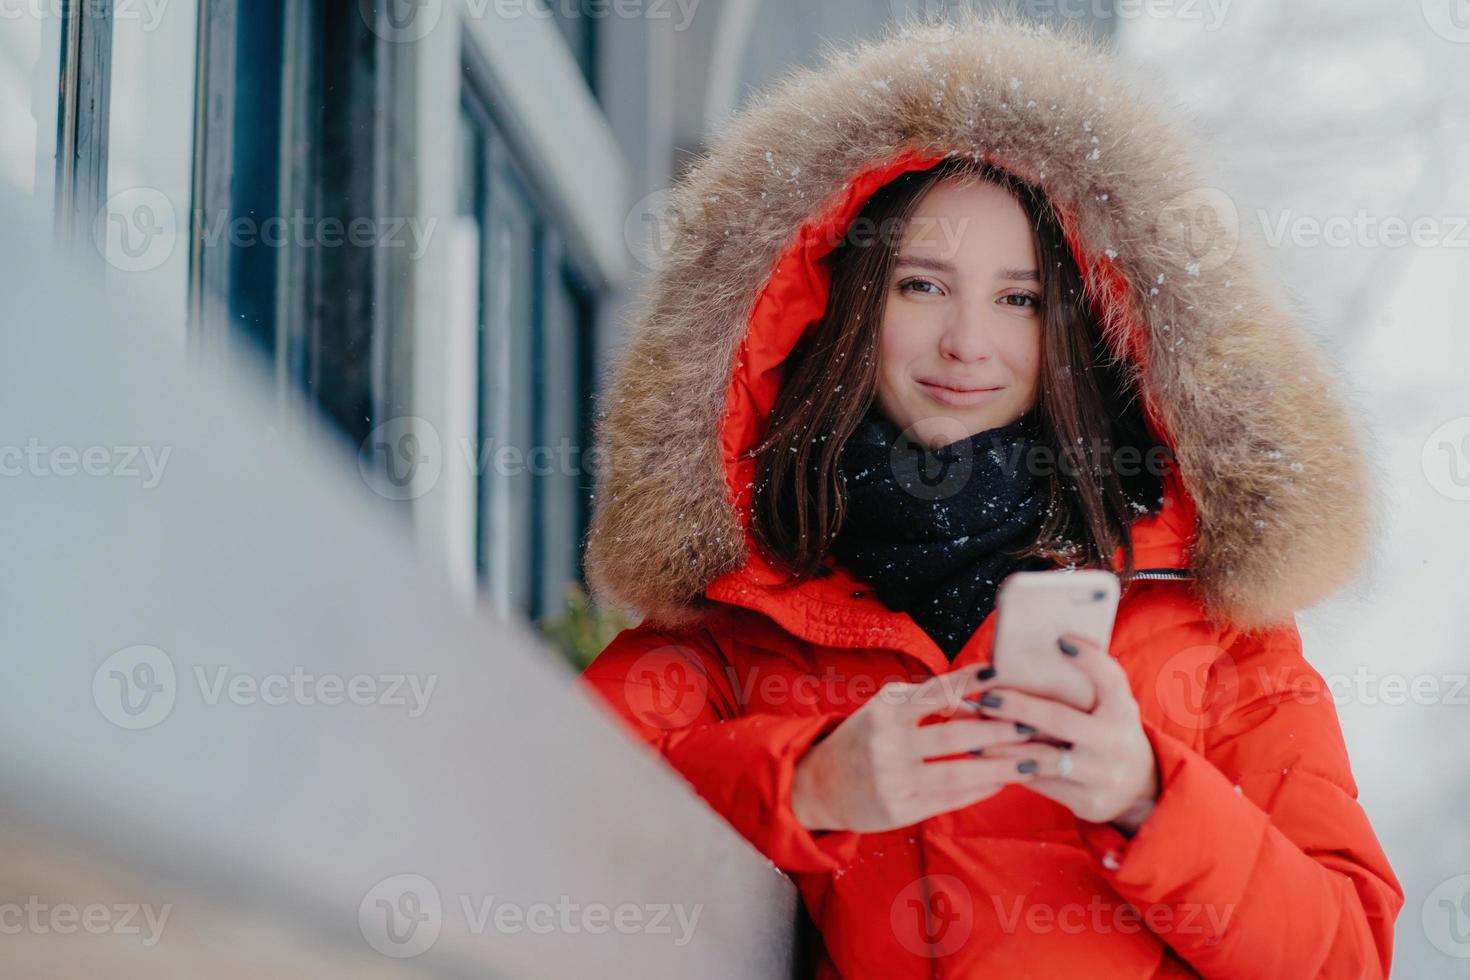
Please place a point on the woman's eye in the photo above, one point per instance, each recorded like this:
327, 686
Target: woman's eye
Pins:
1024, 298
911, 285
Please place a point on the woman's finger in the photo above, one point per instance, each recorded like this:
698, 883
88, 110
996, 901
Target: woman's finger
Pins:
1107, 675
961, 735
1046, 760
944, 694
1043, 715
984, 771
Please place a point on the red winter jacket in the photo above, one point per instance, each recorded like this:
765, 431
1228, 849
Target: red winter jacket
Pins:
1258, 861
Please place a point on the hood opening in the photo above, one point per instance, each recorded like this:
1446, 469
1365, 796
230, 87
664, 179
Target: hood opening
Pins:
794, 300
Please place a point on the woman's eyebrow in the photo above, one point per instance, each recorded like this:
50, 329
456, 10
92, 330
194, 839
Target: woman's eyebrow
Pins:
941, 265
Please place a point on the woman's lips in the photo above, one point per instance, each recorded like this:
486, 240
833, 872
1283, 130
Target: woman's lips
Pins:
954, 398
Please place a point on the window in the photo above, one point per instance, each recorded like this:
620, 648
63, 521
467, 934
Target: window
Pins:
297, 244
30, 69
150, 149
534, 381
579, 26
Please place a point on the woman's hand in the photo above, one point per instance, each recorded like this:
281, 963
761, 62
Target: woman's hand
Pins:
872, 772
1112, 776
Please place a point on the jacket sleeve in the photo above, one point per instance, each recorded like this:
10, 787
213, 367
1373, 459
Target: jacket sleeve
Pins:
1257, 860
675, 691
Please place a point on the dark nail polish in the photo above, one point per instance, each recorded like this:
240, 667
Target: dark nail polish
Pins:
1024, 729
985, 673
1028, 766
990, 699
1067, 648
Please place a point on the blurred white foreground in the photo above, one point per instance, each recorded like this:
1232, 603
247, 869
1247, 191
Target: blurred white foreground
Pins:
245, 732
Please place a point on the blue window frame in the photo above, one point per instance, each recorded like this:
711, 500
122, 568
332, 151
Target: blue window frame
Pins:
535, 377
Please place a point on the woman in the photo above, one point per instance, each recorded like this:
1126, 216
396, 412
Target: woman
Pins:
898, 286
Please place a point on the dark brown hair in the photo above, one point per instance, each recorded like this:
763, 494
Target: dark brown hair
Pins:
1087, 397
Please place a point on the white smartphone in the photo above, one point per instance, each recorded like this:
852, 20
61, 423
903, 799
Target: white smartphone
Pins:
1033, 610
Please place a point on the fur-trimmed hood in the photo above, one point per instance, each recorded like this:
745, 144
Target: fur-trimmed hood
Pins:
1274, 483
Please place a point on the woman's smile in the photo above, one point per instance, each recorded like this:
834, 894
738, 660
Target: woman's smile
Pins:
958, 397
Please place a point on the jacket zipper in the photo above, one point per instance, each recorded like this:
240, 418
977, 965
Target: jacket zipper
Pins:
1161, 574
928, 898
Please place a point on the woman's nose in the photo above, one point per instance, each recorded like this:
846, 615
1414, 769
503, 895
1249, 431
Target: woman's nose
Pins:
967, 338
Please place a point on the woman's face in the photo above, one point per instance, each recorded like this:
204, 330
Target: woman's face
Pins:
959, 348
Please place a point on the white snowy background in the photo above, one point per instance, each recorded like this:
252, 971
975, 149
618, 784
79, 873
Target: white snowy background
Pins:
1359, 111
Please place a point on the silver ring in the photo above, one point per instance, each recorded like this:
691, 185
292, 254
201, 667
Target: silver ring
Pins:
1064, 763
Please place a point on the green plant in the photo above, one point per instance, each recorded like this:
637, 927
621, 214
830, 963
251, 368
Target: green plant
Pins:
582, 629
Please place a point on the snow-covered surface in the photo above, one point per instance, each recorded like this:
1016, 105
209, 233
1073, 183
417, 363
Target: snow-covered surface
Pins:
1356, 110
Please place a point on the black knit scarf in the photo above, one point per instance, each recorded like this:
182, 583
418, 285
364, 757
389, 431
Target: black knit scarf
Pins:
930, 529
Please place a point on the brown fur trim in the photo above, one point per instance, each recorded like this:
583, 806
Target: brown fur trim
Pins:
1264, 444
